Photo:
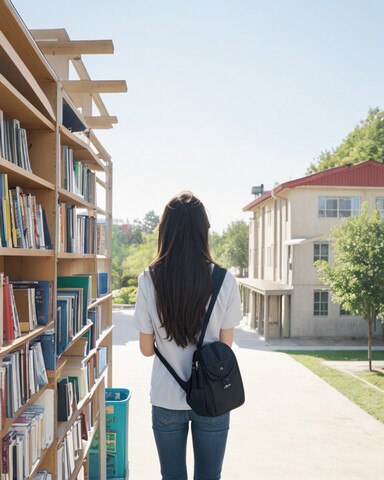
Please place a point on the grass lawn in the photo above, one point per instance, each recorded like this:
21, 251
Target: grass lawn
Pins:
368, 398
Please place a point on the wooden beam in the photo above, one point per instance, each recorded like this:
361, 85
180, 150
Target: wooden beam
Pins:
75, 47
101, 122
95, 86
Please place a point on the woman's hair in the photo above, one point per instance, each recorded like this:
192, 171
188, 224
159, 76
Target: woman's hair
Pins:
181, 270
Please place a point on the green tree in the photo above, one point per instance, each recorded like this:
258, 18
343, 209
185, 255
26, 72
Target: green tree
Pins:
356, 276
231, 248
149, 222
120, 247
216, 243
139, 257
237, 245
365, 142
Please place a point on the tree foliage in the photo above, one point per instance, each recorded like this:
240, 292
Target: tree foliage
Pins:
365, 142
134, 246
356, 276
231, 248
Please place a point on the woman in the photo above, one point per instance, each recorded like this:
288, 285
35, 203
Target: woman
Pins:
171, 301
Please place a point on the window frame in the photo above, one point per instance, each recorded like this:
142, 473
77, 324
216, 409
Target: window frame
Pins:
320, 255
320, 311
337, 207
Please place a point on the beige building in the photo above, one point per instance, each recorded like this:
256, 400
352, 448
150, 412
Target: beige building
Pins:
288, 230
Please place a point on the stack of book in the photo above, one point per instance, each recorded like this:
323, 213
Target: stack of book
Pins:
69, 451
76, 177
13, 142
73, 299
23, 221
77, 230
22, 374
29, 435
24, 305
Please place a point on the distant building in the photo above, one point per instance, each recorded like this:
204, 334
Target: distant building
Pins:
283, 296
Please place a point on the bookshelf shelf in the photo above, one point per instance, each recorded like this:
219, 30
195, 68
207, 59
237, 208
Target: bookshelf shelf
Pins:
13, 103
26, 252
23, 339
100, 300
20, 176
46, 145
74, 256
66, 196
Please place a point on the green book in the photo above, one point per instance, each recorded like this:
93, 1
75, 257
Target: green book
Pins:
78, 281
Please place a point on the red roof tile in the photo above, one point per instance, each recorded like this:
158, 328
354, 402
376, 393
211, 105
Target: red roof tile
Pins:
365, 174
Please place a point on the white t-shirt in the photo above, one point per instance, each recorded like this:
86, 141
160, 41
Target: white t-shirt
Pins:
165, 391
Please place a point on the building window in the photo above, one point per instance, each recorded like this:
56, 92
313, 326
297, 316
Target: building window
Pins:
320, 303
380, 206
338, 207
320, 251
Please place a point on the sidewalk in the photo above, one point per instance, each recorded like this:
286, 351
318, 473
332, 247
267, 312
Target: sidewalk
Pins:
294, 426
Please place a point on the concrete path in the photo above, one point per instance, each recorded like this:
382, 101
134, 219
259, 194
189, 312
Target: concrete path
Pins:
294, 426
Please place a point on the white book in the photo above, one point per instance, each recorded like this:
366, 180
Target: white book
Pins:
39, 365
46, 400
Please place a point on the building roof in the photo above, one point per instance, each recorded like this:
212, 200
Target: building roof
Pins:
266, 287
364, 174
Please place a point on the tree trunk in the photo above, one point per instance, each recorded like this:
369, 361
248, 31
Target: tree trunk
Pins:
370, 320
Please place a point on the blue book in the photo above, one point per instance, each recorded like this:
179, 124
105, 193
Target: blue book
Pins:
43, 300
62, 326
48, 346
102, 284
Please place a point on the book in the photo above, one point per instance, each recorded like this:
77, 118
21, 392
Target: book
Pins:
102, 284
1, 308
8, 324
62, 324
38, 362
47, 236
63, 406
46, 401
48, 347
76, 297
26, 308
43, 297
78, 281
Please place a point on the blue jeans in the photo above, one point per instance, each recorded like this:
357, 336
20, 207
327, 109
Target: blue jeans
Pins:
209, 438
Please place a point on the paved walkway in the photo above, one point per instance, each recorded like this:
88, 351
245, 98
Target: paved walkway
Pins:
294, 426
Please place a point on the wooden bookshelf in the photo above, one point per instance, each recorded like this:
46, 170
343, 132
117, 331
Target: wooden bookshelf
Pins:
54, 110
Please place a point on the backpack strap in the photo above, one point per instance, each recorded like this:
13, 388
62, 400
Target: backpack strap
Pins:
218, 275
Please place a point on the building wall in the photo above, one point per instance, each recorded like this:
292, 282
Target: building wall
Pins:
282, 249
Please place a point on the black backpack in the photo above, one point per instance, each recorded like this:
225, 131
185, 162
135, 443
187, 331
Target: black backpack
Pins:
215, 386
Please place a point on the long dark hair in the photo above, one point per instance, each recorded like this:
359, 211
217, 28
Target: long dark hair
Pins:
181, 270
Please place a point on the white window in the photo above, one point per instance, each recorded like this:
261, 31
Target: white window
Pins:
380, 206
320, 303
320, 251
338, 207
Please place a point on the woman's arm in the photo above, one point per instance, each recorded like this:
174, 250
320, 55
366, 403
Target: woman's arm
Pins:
146, 344
226, 336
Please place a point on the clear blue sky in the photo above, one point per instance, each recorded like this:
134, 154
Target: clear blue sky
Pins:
224, 95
